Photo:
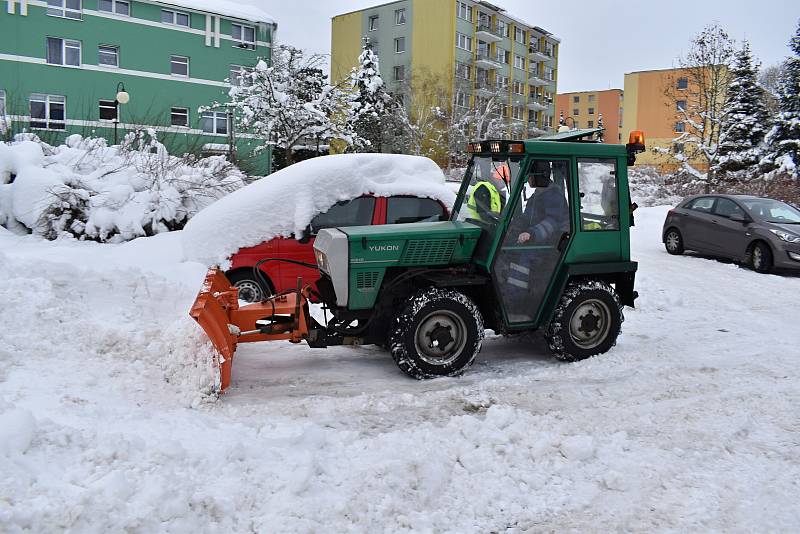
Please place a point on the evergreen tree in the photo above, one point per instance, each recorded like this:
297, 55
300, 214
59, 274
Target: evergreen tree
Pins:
745, 121
371, 103
784, 138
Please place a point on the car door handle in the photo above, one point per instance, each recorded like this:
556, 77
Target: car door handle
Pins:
562, 243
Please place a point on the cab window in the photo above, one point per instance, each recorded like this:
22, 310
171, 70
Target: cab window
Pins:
356, 212
599, 195
401, 210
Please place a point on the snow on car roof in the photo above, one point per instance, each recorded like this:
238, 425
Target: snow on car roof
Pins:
284, 203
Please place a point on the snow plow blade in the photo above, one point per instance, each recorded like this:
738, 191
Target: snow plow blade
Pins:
216, 309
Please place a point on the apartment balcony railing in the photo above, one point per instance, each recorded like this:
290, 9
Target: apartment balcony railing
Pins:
485, 88
536, 78
538, 104
488, 32
485, 60
538, 54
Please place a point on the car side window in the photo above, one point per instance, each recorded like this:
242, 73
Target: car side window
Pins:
356, 212
726, 207
702, 204
401, 210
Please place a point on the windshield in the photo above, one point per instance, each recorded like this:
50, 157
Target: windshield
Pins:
772, 211
486, 190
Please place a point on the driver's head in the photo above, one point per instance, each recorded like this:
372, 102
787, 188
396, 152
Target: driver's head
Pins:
540, 174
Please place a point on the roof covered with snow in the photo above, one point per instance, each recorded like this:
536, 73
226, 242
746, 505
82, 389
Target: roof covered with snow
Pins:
238, 10
284, 203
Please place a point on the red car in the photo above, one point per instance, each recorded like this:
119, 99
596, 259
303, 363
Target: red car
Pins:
361, 211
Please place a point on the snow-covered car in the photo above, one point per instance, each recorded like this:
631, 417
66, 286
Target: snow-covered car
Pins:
279, 216
760, 232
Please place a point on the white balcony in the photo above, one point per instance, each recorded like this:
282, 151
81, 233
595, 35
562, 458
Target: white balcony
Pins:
537, 55
538, 104
486, 61
484, 89
536, 79
487, 32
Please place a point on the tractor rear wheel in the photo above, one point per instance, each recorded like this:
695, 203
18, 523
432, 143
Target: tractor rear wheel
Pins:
586, 322
438, 333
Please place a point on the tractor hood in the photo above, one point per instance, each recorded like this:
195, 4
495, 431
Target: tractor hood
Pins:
356, 257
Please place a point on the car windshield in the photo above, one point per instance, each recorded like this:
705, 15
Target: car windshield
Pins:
486, 189
773, 211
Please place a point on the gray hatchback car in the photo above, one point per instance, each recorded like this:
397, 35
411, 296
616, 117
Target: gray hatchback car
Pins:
759, 232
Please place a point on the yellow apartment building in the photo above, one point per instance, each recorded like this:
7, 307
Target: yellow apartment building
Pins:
585, 108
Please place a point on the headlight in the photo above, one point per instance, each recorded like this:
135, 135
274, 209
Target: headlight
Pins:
786, 236
322, 260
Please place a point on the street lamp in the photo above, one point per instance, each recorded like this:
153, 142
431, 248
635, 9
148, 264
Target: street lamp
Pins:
122, 98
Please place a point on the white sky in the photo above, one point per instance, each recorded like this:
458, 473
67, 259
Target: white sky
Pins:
600, 40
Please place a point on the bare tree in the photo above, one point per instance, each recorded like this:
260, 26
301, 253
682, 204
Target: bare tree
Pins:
770, 79
696, 93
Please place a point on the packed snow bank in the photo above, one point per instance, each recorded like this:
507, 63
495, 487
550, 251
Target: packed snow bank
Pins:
284, 203
91, 191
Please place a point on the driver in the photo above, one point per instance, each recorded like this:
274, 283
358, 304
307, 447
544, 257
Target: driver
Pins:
488, 197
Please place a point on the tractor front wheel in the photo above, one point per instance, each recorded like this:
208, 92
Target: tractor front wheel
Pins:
586, 322
438, 333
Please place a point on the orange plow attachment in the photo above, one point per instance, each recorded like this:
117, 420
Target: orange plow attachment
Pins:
216, 309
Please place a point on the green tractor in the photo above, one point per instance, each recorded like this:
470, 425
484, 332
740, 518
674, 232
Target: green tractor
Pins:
538, 239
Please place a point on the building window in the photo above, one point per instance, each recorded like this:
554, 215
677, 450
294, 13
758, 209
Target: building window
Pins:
399, 16
518, 87
399, 73
680, 127
502, 82
503, 56
576, 112
590, 124
244, 35
71, 9
120, 7
240, 76
399, 45
373, 23
680, 105
519, 62
502, 28
462, 100
463, 71
683, 83
591, 111
215, 122
179, 117
517, 113
464, 11
519, 35
174, 17
108, 110
63, 52
2, 104
463, 42
677, 148
108, 56
576, 99
48, 111
591, 98
179, 66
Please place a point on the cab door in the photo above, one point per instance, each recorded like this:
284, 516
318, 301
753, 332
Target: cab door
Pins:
535, 238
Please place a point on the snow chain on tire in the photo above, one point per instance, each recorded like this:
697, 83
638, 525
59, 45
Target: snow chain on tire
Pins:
454, 307
557, 333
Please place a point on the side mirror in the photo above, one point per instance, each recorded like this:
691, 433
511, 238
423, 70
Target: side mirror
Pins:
738, 217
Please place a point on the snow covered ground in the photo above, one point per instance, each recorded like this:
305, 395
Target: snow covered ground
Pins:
692, 423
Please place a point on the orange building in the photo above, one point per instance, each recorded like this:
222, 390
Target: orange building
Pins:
585, 108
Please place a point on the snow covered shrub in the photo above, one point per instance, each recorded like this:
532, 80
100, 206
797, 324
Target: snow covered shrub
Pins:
88, 190
649, 188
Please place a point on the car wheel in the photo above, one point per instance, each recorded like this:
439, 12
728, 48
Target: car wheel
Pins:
587, 321
250, 289
673, 241
761, 258
438, 333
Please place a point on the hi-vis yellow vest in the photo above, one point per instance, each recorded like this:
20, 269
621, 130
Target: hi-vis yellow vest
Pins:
495, 202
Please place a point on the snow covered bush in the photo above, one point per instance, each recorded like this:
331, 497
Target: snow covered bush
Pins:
649, 188
89, 190
784, 138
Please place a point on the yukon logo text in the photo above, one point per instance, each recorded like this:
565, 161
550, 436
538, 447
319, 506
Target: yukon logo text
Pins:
384, 248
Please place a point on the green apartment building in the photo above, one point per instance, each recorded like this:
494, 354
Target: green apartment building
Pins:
476, 48
63, 63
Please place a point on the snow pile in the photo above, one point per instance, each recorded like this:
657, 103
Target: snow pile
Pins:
91, 191
284, 203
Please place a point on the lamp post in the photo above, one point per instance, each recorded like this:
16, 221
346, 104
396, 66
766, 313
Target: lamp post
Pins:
122, 98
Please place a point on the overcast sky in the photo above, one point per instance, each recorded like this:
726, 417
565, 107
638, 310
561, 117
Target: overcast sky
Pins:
600, 40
